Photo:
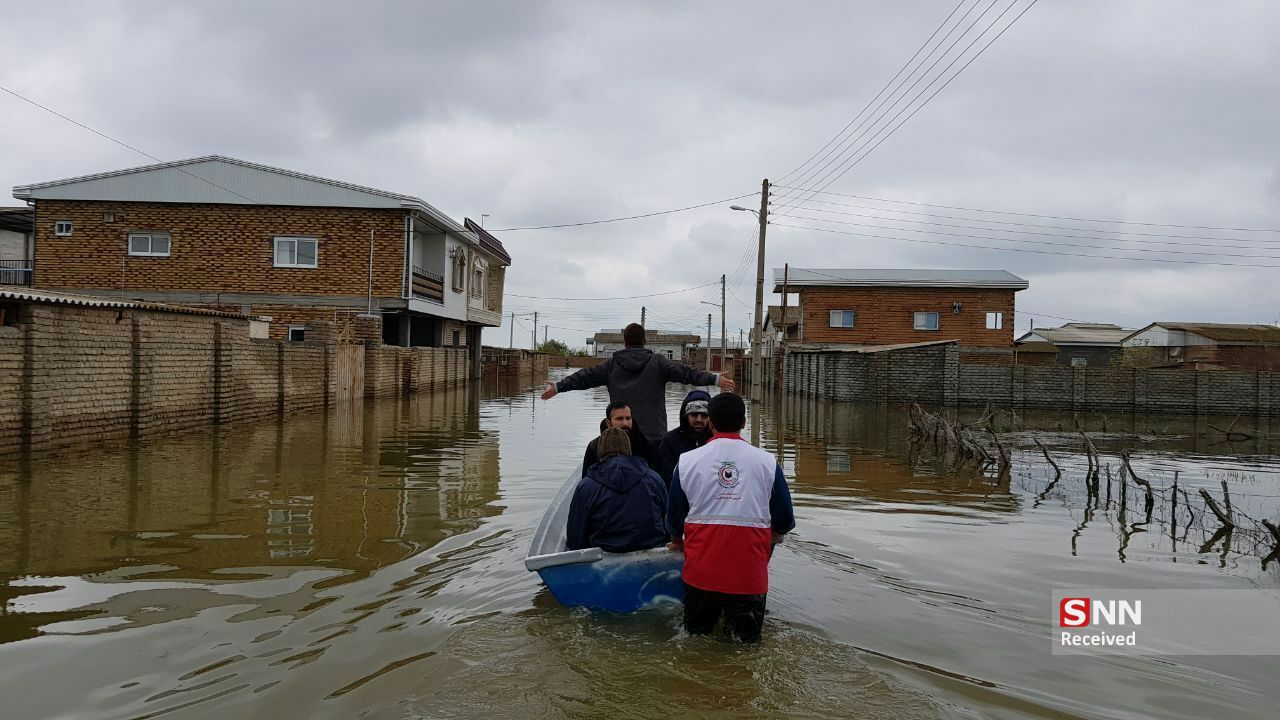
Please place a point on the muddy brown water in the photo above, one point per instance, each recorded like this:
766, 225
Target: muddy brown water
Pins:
369, 564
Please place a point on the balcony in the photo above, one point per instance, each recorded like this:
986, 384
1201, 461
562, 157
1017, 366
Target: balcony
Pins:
428, 285
16, 272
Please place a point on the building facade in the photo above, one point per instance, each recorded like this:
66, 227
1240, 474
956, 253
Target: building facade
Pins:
1202, 346
15, 245
1080, 344
257, 240
673, 344
889, 307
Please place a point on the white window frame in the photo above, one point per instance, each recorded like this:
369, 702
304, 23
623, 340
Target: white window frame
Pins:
832, 320
301, 330
63, 228
293, 239
995, 320
150, 236
916, 324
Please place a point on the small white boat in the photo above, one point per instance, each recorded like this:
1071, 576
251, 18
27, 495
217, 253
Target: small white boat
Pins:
619, 582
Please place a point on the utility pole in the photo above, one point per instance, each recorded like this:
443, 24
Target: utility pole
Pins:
708, 341
724, 357
758, 322
544, 334
534, 341
512, 342
642, 311
781, 360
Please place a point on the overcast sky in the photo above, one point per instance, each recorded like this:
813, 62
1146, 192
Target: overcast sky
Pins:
539, 113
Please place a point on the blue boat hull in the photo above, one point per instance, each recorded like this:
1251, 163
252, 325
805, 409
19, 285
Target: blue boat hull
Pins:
617, 582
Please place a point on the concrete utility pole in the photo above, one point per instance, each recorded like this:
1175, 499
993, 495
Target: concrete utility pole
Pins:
758, 332
544, 334
512, 342
708, 341
534, 341
723, 347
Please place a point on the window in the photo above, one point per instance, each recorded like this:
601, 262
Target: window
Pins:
154, 244
297, 333
995, 320
459, 274
926, 321
296, 252
457, 338
841, 318
62, 228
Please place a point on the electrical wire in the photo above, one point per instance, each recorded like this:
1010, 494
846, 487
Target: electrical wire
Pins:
621, 297
629, 217
1027, 250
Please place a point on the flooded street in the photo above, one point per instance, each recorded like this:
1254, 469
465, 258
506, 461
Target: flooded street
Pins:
370, 564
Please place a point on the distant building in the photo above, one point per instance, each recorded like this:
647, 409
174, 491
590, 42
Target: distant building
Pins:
892, 307
16, 224
1199, 346
233, 235
672, 343
1079, 344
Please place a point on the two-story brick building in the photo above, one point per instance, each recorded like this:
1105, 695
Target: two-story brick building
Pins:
220, 232
892, 307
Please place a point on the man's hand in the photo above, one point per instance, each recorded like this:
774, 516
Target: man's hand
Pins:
725, 384
676, 546
550, 392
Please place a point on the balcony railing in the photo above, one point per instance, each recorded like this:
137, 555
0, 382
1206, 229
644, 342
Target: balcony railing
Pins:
15, 272
428, 285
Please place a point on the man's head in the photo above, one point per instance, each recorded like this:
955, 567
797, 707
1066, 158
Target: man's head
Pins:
695, 411
613, 441
633, 335
728, 413
618, 415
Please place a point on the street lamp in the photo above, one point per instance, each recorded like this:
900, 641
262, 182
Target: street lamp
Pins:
757, 333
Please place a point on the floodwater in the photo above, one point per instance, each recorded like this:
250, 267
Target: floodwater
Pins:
369, 564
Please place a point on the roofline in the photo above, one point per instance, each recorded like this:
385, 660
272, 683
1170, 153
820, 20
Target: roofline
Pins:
791, 285
23, 192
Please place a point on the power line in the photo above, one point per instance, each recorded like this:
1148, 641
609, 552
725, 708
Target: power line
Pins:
854, 159
623, 297
878, 94
629, 217
1027, 250
1034, 225
1037, 242
1054, 217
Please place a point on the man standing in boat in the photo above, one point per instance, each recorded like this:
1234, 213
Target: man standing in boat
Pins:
638, 376
729, 503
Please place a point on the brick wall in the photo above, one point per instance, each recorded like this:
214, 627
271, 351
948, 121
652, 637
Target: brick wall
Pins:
885, 316
218, 248
71, 374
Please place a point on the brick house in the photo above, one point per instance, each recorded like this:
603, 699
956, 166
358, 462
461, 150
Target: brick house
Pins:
893, 307
1204, 346
224, 233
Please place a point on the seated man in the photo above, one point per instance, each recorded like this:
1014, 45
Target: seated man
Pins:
693, 432
618, 415
620, 506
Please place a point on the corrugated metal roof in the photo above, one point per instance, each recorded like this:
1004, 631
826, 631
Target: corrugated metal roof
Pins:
773, 316
650, 337
1225, 332
863, 349
1082, 334
17, 219
1036, 346
58, 298
487, 240
224, 180
835, 277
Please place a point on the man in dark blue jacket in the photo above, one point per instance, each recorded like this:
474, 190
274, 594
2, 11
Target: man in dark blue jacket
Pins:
620, 506
694, 431
639, 376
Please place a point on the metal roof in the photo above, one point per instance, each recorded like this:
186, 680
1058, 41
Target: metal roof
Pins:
487, 240
1079, 334
217, 179
17, 219
59, 298
649, 337
773, 316
1223, 332
835, 277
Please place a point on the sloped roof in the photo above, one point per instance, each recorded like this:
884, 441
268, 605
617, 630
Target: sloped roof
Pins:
1224, 332
17, 219
487, 240
649, 337
773, 316
1103, 334
824, 277
1036, 346
61, 298
217, 179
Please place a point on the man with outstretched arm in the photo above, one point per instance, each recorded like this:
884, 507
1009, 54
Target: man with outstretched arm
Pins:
728, 504
638, 376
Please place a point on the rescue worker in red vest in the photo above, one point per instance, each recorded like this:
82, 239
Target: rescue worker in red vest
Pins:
729, 503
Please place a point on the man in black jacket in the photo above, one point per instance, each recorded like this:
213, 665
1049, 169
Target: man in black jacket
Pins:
618, 415
620, 506
639, 377
694, 431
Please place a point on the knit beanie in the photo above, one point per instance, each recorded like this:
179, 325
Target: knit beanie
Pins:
613, 441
